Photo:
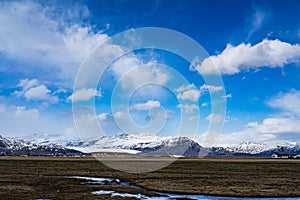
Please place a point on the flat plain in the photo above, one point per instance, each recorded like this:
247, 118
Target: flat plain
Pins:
46, 177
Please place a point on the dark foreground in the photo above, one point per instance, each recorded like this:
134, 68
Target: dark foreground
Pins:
45, 178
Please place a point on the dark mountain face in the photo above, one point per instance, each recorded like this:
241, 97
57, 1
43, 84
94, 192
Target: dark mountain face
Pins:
181, 146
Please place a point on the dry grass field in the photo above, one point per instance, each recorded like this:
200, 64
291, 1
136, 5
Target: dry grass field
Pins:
45, 178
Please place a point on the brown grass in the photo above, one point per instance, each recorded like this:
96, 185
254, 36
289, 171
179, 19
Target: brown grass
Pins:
44, 177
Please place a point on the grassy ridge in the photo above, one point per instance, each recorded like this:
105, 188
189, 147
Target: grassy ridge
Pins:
44, 177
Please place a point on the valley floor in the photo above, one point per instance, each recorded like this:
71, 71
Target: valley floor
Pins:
46, 178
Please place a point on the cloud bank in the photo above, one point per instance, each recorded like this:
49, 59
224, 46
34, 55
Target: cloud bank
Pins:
39, 36
234, 59
283, 126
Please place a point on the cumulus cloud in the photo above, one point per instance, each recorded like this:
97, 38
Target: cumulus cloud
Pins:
192, 95
145, 106
268, 53
211, 88
185, 87
40, 93
188, 92
33, 90
84, 94
188, 108
26, 83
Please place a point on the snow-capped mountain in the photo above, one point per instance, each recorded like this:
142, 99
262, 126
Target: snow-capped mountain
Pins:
15, 146
149, 144
261, 149
50, 139
139, 143
256, 148
145, 144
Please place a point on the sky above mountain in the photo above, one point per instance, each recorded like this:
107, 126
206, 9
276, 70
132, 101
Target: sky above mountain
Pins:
254, 45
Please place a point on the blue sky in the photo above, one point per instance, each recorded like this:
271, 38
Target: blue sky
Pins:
253, 44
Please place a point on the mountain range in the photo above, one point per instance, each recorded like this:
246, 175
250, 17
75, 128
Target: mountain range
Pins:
137, 144
19, 147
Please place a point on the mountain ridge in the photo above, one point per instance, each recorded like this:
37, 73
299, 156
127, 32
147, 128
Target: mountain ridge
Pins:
18, 147
139, 144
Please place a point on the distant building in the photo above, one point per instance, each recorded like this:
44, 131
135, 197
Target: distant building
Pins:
285, 156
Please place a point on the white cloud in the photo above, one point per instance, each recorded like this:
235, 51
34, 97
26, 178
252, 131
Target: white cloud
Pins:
228, 96
162, 115
192, 95
40, 93
270, 129
284, 126
215, 118
268, 53
258, 18
84, 94
205, 104
133, 73
288, 102
185, 87
124, 64
118, 115
110, 116
195, 62
20, 120
36, 34
211, 88
33, 90
280, 124
188, 92
145, 106
21, 111
103, 116
26, 83
188, 108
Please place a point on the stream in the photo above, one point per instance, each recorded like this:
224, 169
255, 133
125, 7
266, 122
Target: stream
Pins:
160, 195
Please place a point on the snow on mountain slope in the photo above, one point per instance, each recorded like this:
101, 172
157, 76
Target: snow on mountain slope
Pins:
50, 139
149, 144
125, 143
257, 148
134, 143
15, 146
